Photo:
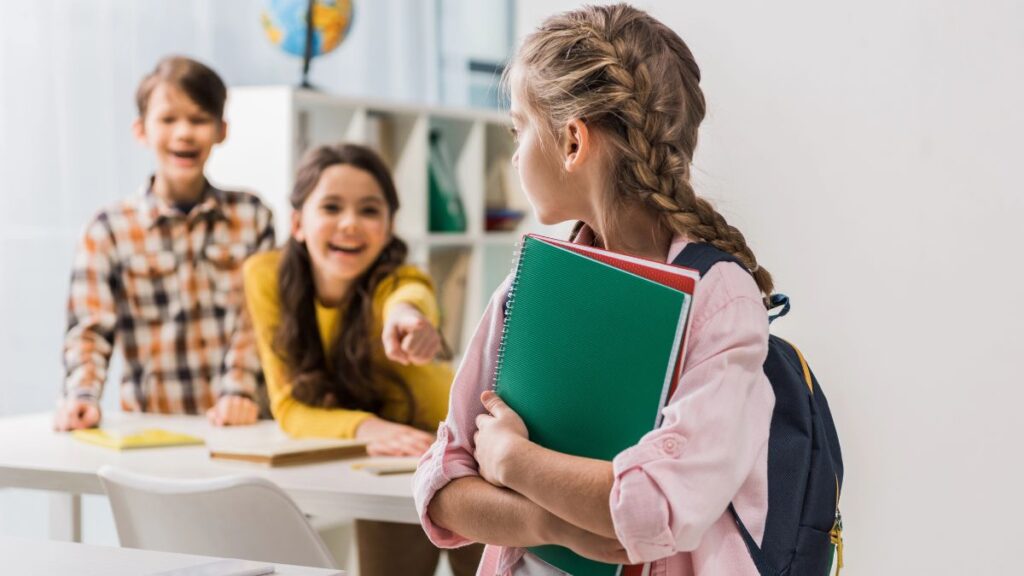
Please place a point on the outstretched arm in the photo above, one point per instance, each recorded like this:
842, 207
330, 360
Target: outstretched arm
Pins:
236, 390
92, 322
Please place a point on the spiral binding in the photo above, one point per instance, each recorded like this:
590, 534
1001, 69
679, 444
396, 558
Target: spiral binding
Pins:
510, 300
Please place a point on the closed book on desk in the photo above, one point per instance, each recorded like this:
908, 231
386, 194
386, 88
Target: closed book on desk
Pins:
289, 451
590, 353
387, 465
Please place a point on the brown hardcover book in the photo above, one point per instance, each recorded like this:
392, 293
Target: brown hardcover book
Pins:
386, 465
289, 452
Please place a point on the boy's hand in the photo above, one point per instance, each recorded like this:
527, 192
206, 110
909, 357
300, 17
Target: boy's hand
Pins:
233, 411
409, 337
73, 414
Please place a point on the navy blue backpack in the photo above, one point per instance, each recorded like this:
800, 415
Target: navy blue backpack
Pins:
803, 530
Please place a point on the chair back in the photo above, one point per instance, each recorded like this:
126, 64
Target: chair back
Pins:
244, 517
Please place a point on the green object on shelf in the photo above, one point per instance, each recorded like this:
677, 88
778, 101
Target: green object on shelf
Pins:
446, 211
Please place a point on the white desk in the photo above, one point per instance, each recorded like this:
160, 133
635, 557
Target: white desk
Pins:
45, 558
33, 456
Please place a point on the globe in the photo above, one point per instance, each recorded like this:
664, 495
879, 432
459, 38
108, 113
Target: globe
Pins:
284, 23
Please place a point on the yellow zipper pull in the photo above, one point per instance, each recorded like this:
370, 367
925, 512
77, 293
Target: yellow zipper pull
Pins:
836, 536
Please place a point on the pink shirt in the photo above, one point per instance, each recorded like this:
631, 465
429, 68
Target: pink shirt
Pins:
671, 492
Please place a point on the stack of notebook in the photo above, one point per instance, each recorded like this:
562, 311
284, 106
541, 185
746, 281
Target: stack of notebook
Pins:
591, 351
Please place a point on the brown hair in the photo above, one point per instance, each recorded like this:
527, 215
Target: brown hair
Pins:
635, 81
195, 79
350, 379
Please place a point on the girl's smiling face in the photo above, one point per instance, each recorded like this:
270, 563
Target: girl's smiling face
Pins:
345, 223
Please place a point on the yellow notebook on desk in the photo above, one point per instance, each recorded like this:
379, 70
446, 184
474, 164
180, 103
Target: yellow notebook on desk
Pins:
125, 440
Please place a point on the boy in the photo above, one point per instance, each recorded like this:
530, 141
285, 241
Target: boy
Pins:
161, 273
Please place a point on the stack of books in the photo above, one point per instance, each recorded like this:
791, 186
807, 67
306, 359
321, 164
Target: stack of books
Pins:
591, 352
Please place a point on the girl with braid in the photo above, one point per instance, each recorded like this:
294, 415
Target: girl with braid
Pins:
347, 336
606, 105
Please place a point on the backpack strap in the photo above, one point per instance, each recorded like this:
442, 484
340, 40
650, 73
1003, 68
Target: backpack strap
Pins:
701, 256
774, 302
755, 551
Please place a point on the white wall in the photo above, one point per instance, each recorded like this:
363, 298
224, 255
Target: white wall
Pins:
870, 151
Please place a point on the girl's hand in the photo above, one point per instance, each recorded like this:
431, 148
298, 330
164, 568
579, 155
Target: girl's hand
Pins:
409, 337
389, 439
499, 433
231, 410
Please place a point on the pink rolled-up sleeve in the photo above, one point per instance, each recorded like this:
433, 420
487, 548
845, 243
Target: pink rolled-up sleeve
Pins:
451, 455
679, 479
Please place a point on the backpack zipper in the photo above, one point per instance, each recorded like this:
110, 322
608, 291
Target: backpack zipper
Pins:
836, 534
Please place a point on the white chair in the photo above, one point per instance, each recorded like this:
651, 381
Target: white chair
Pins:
231, 517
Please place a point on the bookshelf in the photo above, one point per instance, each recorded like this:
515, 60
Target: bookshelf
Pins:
269, 128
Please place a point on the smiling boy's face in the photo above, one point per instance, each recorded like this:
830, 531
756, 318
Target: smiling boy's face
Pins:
181, 135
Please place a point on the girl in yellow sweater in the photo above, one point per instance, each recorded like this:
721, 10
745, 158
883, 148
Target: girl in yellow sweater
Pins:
347, 334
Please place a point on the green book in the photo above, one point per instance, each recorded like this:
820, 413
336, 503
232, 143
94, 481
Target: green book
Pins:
590, 353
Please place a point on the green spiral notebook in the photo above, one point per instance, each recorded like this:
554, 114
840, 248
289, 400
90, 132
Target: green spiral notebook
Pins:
590, 353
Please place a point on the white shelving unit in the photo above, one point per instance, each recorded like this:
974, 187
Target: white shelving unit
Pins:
269, 128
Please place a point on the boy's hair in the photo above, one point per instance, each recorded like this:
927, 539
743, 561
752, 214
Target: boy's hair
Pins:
348, 377
635, 81
194, 78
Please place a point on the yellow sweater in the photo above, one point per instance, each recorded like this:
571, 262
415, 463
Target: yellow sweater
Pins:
429, 384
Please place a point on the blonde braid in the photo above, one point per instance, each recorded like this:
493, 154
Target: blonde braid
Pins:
624, 71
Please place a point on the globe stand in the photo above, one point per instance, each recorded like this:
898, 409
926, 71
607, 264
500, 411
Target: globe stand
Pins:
305, 85
307, 55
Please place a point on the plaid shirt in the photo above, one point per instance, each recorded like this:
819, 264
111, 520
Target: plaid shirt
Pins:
167, 287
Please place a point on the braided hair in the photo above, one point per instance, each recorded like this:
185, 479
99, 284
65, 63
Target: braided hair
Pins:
635, 80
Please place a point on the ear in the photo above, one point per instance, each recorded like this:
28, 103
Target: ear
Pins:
576, 144
139, 129
222, 134
297, 227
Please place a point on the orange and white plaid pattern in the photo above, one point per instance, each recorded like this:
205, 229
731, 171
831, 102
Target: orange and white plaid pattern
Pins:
167, 288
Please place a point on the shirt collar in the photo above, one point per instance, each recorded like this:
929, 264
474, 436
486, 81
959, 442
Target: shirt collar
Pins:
588, 237
156, 210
